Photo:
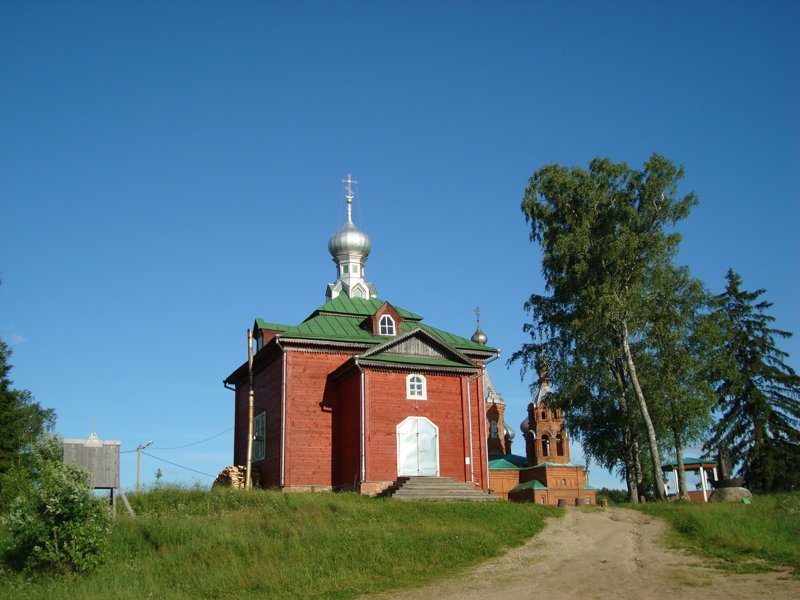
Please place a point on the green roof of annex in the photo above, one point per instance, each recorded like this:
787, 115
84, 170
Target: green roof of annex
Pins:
343, 319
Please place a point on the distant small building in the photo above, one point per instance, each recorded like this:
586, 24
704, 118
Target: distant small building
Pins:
696, 465
99, 457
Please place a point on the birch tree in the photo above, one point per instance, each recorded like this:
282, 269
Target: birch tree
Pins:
603, 232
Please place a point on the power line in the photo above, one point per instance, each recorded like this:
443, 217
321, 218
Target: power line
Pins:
179, 466
216, 435
195, 443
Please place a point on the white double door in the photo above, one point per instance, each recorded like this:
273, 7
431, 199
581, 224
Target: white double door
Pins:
417, 448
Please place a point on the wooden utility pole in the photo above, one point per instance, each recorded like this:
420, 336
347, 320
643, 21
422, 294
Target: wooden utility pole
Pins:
248, 484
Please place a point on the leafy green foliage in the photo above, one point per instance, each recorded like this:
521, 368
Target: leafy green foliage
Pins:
759, 395
613, 496
55, 522
676, 354
604, 235
22, 420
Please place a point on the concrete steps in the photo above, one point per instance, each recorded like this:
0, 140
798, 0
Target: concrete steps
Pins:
435, 488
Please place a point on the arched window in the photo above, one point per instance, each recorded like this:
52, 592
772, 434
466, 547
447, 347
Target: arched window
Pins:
386, 325
358, 292
416, 387
559, 445
545, 445
544, 414
493, 429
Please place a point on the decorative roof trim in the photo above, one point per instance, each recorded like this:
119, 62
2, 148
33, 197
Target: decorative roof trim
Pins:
323, 342
405, 367
419, 331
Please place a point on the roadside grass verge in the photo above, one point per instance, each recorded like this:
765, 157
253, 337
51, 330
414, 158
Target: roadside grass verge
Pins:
761, 536
265, 544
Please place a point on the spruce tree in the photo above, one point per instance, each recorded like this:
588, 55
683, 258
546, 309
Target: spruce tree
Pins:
758, 394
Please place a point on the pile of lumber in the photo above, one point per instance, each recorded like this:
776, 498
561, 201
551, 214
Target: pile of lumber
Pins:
232, 477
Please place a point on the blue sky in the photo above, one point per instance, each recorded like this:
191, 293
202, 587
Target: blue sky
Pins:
169, 171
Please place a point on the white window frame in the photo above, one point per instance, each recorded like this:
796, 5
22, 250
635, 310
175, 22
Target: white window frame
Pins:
259, 436
386, 326
416, 390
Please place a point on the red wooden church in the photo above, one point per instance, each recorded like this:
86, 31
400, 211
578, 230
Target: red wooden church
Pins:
362, 392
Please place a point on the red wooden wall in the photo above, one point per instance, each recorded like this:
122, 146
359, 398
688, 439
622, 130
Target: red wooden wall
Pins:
323, 421
445, 406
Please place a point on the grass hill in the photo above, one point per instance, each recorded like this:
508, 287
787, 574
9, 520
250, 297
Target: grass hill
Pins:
745, 538
264, 544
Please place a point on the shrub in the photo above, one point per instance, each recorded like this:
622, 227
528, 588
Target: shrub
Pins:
613, 496
56, 523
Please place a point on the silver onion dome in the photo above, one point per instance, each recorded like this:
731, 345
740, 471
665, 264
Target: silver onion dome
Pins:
349, 240
479, 337
509, 433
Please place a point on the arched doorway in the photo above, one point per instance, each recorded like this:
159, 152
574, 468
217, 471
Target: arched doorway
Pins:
417, 448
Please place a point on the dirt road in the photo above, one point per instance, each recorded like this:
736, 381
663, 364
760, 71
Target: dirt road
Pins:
602, 554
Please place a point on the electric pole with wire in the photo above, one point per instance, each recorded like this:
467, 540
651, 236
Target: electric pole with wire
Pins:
139, 449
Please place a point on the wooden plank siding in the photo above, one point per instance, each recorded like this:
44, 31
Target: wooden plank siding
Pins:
347, 433
310, 400
321, 445
480, 455
387, 406
267, 399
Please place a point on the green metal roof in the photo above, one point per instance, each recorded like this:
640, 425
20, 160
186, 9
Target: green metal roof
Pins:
262, 324
366, 307
509, 462
688, 461
529, 485
343, 319
455, 340
552, 464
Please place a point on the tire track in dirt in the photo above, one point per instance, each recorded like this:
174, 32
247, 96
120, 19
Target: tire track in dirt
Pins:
611, 553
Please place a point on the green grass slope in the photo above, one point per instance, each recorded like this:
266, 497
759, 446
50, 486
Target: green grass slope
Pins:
261, 544
749, 538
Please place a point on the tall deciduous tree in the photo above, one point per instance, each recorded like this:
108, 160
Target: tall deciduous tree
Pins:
759, 394
603, 232
22, 420
676, 351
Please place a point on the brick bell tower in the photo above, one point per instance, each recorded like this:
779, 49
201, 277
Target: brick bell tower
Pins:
546, 438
